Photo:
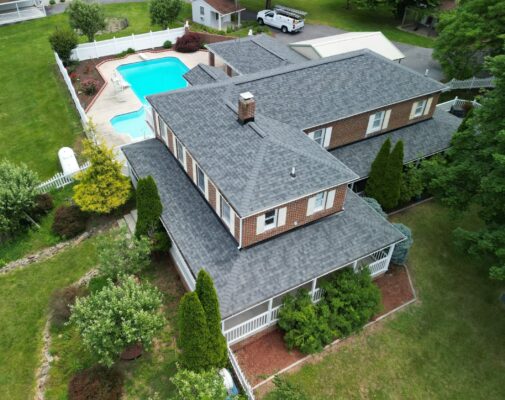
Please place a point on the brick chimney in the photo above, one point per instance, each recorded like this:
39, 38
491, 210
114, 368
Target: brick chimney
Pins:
246, 108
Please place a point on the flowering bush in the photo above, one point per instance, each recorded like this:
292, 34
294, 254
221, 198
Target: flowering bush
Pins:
73, 77
89, 87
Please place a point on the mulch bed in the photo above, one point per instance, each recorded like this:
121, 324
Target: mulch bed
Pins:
262, 357
82, 72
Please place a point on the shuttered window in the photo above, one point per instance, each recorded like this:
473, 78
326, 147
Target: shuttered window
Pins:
271, 219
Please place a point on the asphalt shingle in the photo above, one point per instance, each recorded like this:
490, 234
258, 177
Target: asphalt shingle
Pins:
246, 277
203, 74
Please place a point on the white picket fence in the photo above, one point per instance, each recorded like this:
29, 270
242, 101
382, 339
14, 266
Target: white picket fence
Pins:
60, 180
240, 375
115, 45
70, 87
472, 83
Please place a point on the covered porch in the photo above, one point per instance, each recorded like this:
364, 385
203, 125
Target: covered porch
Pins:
20, 10
265, 314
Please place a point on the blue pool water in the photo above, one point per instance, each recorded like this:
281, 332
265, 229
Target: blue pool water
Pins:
147, 78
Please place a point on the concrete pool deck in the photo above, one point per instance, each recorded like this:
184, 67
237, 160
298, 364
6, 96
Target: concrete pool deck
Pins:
110, 103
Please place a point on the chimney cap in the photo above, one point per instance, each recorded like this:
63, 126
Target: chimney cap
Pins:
246, 96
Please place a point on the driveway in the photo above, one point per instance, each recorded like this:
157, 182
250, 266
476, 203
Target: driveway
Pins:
417, 58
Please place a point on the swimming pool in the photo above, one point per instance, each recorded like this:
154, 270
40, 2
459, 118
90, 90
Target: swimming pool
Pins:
147, 78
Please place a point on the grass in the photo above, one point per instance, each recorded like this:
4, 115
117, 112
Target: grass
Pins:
37, 116
24, 300
146, 376
448, 346
334, 13
36, 238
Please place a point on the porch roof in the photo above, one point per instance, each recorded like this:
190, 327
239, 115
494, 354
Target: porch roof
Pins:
225, 7
420, 140
249, 276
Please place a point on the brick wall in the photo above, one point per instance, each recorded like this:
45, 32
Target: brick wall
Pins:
296, 212
354, 128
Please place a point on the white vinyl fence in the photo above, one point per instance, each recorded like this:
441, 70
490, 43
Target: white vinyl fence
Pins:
60, 180
70, 87
472, 83
113, 46
240, 375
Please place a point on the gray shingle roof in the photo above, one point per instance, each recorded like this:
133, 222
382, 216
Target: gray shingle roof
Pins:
255, 53
420, 140
248, 276
250, 164
202, 74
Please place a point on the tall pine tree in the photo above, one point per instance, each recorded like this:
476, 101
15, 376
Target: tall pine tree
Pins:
149, 207
218, 352
393, 178
193, 333
375, 184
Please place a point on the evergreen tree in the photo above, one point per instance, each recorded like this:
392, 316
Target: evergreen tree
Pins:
393, 178
193, 333
149, 207
375, 184
401, 250
218, 352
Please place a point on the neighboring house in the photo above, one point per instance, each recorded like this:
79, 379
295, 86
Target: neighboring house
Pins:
21, 10
328, 46
250, 176
217, 14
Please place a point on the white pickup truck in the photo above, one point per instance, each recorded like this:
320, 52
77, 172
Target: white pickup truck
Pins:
284, 19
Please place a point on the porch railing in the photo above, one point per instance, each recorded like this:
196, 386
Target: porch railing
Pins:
456, 102
240, 375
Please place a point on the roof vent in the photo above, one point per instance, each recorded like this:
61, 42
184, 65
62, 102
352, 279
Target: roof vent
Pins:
246, 108
293, 173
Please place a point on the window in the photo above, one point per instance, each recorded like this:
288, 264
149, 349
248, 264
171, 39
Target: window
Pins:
225, 212
375, 122
270, 219
179, 151
319, 202
200, 179
164, 134
318, 137
202, 10
419, 108
321, 136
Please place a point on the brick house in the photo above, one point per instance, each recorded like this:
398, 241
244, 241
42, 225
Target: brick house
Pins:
255, 170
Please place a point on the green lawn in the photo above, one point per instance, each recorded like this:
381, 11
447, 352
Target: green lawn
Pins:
334, 13
36, 238
146, 376
448, 346
37, 116
24, 300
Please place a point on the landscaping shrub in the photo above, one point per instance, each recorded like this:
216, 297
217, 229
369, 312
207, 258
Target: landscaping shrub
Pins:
160, 242
97, 283
352, 298
285, 390
117, 317
401, 250
52, 2
73, 76
305, 324
63, 41
61, 302
102, 187
217, 349
149, 207
69, 221
193, 333
119, 254
89, 87
89, 18
43, 204
163, 12
17, 197
129, 50
375, 205
167, 44
205, 385
412, 184
188, 43
96, 383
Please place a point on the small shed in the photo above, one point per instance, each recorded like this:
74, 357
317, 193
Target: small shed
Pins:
217, 14
328, 46
68, 161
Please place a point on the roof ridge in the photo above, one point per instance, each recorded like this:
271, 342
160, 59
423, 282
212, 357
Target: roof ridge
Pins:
267, 49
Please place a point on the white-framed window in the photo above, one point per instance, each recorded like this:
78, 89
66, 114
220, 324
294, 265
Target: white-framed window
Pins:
200, 179
225, 212
202, 10
270, 219
179, 151
375, 122
419, 108
321, 136
164, 134
321, 201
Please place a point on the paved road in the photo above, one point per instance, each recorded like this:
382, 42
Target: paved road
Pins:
418, 58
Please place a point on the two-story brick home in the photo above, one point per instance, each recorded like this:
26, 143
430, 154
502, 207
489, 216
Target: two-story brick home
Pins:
252, 181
